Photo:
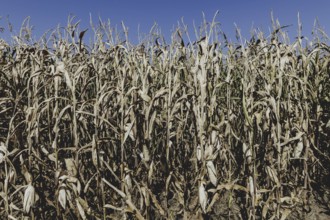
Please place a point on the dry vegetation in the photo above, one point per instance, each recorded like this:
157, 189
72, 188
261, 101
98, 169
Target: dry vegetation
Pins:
187, 130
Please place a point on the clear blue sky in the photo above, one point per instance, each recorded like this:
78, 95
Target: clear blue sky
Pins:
46, 14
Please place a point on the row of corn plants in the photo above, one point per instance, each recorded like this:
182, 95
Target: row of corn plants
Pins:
189, 129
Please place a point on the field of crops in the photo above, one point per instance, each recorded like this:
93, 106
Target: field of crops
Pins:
196, 128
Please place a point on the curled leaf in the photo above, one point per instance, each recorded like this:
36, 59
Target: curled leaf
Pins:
202, 195
212, 172
29, 198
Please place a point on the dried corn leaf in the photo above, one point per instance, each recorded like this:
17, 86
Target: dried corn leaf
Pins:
62, 197
202, 195
29, 198
212, 173
80, 209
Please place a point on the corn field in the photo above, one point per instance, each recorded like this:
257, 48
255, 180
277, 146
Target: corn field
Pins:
198, 128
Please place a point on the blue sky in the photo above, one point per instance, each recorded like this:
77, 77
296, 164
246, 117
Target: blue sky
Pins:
47, 14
